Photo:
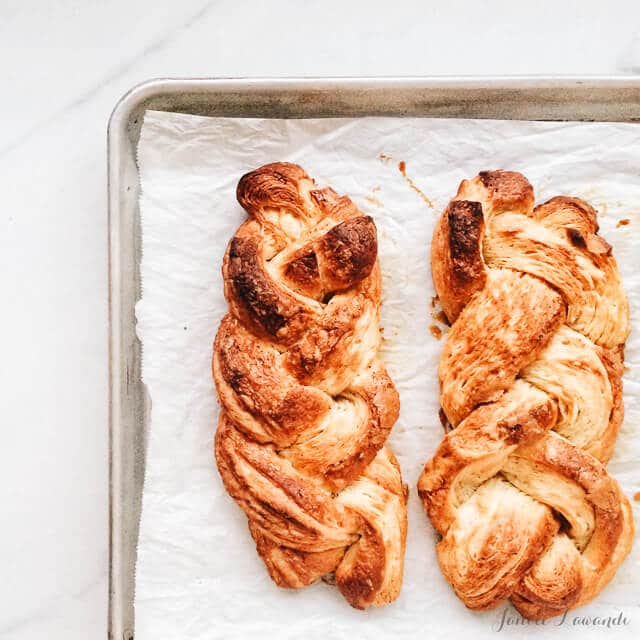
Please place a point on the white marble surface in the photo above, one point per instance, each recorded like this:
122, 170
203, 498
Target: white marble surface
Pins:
63, 65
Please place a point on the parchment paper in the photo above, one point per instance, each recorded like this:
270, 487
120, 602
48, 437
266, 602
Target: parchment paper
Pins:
198, 575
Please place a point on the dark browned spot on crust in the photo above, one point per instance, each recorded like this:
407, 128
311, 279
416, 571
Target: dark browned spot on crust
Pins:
235, 378
349, 250
510, 186
636, 496
303, 269
544, 414
504, 180
490, 179
512, 432
623, 223
343, 256
466, 223
251, 286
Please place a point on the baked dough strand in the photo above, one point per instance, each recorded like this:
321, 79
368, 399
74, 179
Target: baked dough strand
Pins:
531, 380
307, 404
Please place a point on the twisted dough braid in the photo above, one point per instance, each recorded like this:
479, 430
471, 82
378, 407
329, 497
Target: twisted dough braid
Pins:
530, 377
307, 405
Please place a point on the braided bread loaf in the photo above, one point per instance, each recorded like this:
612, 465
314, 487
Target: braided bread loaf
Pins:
530, 379
307, 405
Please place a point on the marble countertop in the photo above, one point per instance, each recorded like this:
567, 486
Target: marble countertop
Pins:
64, 64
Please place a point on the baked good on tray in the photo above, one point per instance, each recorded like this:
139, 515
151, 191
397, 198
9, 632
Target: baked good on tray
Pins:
530, 382
307, 404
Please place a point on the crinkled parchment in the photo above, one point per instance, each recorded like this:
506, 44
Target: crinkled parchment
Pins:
198, 575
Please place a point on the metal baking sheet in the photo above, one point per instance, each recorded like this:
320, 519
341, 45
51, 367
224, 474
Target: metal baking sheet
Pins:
523, 98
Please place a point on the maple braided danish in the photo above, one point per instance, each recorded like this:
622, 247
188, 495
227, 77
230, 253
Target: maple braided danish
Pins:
307, 405
530, 379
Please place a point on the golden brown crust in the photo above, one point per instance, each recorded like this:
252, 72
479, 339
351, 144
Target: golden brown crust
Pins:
307, 405
531, 377
498, 191
456, 260
502, 329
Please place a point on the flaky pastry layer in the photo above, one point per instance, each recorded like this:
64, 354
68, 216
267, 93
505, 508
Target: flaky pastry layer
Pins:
531, 382
307, 404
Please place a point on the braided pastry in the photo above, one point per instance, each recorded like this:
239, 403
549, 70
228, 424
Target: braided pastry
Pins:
530, 379
307, 405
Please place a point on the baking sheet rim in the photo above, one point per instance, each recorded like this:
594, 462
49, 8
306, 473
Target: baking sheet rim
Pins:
128, 403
